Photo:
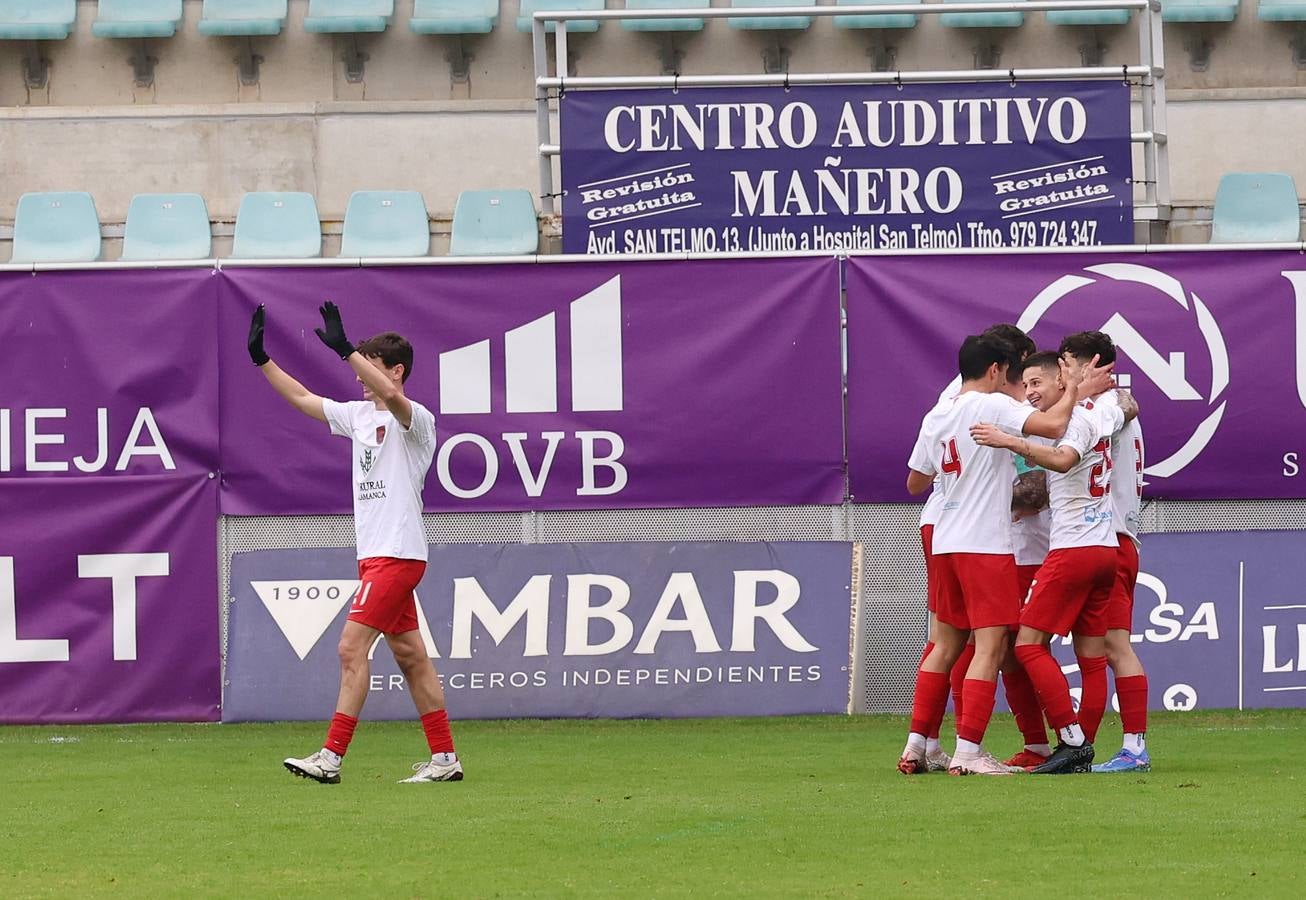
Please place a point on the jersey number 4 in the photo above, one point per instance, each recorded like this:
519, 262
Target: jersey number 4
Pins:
1099, 477
951, 458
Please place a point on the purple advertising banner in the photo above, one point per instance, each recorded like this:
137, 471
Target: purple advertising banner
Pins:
649, 384
846, 167
1212, 344
107, 592
120, 377
1219, 621
560, 630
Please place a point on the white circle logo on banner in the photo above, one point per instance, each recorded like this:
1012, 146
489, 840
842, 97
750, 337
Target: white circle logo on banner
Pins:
1166, 372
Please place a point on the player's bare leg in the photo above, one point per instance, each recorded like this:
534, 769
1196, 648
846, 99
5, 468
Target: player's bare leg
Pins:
428, 696
931, 696
324, 765
980, 687
1131, 689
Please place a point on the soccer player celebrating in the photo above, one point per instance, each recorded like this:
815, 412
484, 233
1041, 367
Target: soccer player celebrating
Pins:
972, 560
393, 441
1072, 586
1126, 497
1019, 345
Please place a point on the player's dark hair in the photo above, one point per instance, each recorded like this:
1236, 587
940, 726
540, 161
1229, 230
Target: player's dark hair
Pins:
391, 348
1044, 359
1084, 345
1021, 344
978, 352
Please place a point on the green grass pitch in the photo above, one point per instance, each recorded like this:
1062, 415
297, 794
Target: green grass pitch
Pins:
801, 807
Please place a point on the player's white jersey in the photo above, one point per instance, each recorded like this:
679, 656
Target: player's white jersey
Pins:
389, 470
1030, 537
1081, 498
975, 481
1127, 476
934, 503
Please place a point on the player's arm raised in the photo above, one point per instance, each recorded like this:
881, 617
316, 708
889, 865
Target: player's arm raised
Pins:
298, 396
1057, 459
332, 334
1052, 423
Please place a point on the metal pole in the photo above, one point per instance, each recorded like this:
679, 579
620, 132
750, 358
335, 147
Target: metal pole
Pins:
1147, 104
1161, 143
542, 127
934, 75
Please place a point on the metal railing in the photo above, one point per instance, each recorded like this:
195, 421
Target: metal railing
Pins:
1149, 70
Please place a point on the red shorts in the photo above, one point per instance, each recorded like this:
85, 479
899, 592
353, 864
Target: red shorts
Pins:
385, 599
1070, 592
1025, 580
1120, 606
927, 545
976, 590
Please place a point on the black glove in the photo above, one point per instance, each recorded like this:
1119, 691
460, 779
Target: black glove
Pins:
255, 341
333, 335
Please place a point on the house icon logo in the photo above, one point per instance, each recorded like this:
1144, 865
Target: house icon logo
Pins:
530, 354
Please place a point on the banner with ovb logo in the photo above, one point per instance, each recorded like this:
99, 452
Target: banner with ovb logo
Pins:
592, 385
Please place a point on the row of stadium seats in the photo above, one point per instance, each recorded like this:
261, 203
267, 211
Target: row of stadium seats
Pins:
54, 19
64, 226
1250, 207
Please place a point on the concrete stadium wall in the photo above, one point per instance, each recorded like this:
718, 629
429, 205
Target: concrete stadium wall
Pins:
409, 125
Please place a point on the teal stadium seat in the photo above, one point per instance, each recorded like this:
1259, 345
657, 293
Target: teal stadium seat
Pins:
898, 20
136, 18
386, 223
1281, 11
348, 16
767, 23
242, 18
454, 16
981, 20
56, 227
530, 7
36, 20
1101, 17
272, 224
677, 24
1255, 207
1198, 10
494, 223
167, 226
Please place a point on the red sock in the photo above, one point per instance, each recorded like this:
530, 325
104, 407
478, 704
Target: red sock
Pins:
1092, 699
340, 733
438, 736
1132, 691
930, 700
957, 677
1024, 705
1049, 684
934, 733
979, 709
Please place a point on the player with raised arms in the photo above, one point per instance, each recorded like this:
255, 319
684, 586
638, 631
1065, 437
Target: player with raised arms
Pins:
393, 442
